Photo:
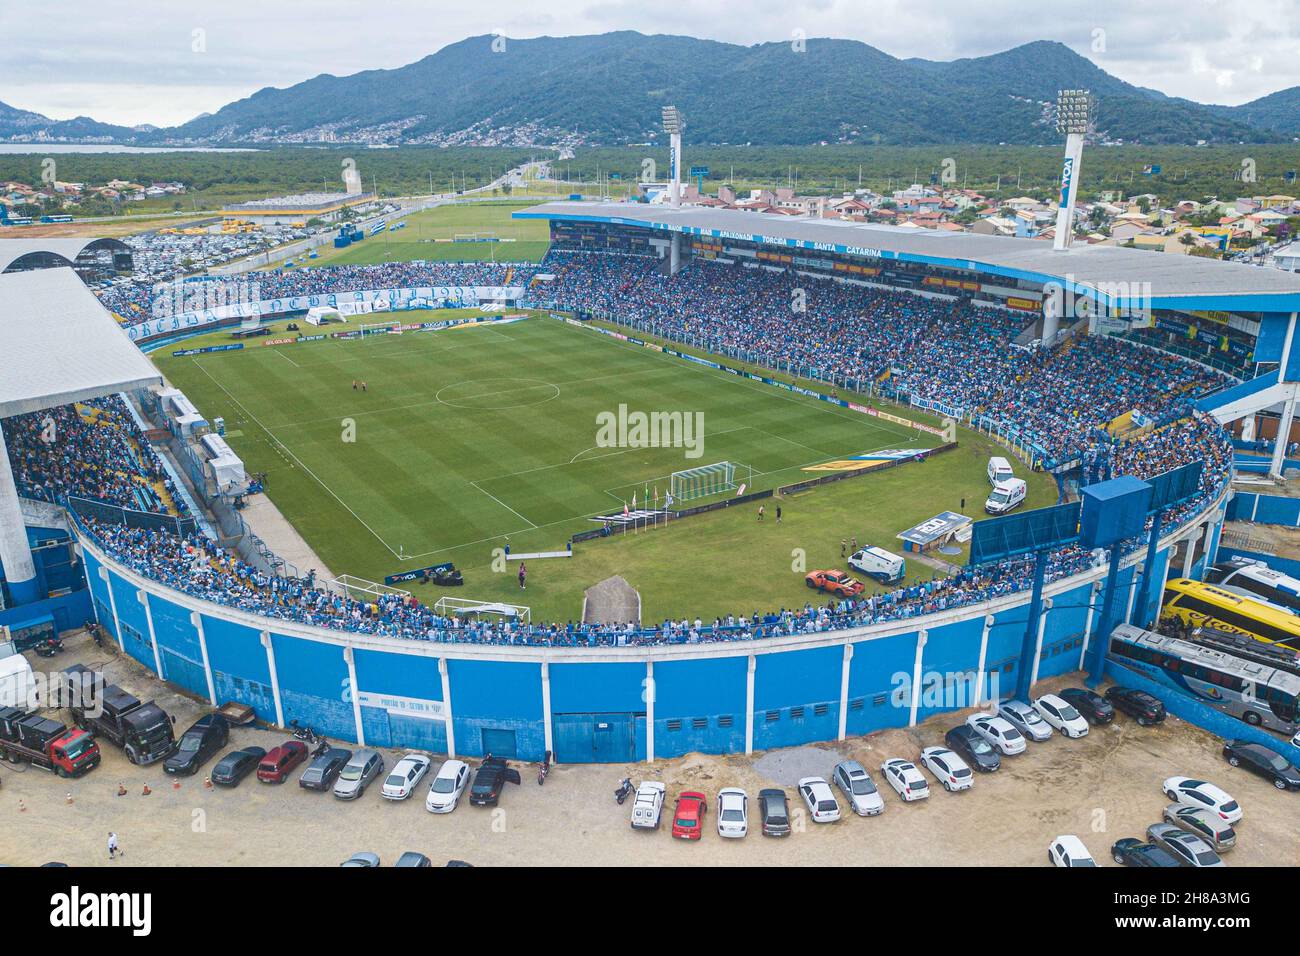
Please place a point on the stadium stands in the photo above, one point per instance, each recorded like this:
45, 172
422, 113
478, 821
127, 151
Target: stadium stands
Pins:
937, 348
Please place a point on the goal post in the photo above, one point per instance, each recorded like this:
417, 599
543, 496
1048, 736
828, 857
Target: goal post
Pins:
704, 481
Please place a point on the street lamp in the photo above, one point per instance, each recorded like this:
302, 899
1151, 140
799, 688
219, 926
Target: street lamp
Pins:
1073, 115
673, 125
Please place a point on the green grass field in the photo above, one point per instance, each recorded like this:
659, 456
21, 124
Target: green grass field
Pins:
528, 239
471, 437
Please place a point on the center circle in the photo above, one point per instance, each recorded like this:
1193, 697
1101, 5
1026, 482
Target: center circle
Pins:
497, 393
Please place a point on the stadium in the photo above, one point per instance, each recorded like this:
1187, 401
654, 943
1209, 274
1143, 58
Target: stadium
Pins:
858, 377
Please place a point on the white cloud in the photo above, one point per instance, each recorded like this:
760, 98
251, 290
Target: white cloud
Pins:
133, 61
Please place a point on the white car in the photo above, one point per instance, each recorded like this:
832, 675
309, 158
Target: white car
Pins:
1025, 719
1061, 715
817, 796
447, 786
1069, 851
998, 732
905, 778
858, 788
733, 813
949, 769
401, 782
648, 805
1190, 792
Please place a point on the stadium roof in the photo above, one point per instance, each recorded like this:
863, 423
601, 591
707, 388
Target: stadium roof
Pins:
59, 345
1112, 274
63, 251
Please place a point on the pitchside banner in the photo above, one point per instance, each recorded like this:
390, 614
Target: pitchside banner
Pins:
378, 299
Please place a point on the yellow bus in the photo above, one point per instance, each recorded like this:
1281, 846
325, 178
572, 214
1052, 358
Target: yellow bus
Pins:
1195, 603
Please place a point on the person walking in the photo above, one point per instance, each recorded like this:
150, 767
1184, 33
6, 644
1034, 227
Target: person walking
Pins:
112, 845
778, 514
523, 572
760, 512
844, 546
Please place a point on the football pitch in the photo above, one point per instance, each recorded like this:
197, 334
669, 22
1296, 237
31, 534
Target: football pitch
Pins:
468, 438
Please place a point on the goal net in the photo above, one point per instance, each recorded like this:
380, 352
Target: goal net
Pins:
704, 481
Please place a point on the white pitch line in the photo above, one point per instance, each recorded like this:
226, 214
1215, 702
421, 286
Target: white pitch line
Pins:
305, 469
503, 505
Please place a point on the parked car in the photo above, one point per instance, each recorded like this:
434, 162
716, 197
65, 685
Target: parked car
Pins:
361, 859
405, 776
1190, 792
1205, 824
275, 766
489, 780
198, 744
688, 815
973, 748
1025, 719
733, 813
774, 809
648, 805
858, 787
998, 732
817, 796
1096, 710
1061, 716
1187, 848
357, 774
411, 858
836, 583
1069, 851
1138, 704
1258, 759
1131, 852
447, 786
949, 769
324, 770
236, 765
903, 776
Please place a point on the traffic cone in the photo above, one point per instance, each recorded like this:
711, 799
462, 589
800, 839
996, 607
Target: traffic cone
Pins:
146, 791
121, 790
176, 784
207, 783
68, 798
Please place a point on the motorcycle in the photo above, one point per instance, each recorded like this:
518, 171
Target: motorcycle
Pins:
624, 790
306, 734
545, 768
48, 647
321, 749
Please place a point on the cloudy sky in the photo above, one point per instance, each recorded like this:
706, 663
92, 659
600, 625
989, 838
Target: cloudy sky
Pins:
164, 61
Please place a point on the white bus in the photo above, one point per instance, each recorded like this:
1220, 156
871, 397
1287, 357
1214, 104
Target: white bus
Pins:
1261, 581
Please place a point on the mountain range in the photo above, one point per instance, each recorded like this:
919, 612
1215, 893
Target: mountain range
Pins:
608, 90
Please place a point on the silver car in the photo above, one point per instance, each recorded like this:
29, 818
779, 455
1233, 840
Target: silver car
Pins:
859, 788
1187, 848
1204, 824
1025, 719
357, 773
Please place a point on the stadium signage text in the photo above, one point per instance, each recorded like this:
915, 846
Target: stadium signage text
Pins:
415, 573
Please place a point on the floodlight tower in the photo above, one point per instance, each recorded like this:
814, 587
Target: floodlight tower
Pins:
1073, 113
673, 124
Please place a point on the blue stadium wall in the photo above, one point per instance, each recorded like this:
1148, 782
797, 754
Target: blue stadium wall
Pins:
617, 704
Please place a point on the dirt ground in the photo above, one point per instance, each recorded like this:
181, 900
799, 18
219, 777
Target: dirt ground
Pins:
1103, 787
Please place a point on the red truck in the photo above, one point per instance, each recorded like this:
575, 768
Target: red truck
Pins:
45, 743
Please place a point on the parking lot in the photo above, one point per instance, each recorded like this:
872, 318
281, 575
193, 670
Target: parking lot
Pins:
1103, 787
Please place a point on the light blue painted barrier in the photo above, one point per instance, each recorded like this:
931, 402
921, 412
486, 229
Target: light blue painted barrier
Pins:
1265, 509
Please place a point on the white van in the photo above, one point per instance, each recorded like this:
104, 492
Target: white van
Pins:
17, 684
1005, 496
878, 563
999, 470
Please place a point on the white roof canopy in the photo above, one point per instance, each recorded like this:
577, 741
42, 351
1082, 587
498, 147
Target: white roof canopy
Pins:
59, 345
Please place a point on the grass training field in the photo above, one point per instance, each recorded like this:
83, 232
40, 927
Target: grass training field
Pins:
473, 436
427, 233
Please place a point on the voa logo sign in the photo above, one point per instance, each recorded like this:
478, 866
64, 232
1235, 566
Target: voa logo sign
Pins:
1067, 174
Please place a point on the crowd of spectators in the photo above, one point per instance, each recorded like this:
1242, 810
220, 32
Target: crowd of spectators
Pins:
945, 349
94, 450
139, 301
